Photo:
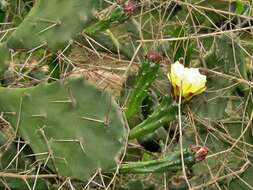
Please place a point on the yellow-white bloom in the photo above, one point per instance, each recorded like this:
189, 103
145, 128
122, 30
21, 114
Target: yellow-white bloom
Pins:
193, 82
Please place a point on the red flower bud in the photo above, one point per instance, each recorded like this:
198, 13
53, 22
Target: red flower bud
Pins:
129, 8
200, 152
153, 56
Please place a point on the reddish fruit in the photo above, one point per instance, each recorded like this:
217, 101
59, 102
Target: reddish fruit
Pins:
153, 56
200, 152
129, 8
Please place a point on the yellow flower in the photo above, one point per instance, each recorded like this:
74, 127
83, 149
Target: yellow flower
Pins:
193, 82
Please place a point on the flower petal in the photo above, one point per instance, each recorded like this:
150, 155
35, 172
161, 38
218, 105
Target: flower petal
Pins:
192, 81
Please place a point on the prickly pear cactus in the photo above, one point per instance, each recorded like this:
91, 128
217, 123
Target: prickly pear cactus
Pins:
105, 24
146, 75
170, 163
164, 113
72, 127
52, 23
118, 15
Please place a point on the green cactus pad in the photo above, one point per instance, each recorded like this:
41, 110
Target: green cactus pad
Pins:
52, 23
70, 125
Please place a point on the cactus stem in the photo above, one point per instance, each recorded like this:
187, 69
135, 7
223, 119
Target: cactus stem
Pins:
146, 75
172, 162
164, 113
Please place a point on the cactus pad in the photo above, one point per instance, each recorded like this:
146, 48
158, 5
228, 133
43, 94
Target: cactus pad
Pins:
72, 127
52, 23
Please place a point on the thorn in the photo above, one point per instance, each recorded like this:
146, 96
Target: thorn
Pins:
81, 145
94, 120
49, 21
107, 117
40, 115
50, 150
72, 97
34, 49
69, 140
37, 154
9, 113
62, 101
48, 28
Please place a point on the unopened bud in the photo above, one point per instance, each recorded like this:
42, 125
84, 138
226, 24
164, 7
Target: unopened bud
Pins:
200, 152
129, 8
153, 56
